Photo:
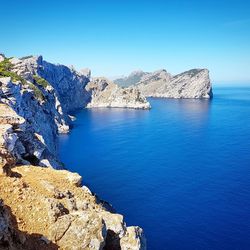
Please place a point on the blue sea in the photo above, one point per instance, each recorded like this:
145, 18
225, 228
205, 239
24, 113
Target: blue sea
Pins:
181, 170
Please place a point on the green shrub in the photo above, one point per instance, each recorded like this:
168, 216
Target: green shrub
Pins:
40, 81
37, 92
5, 71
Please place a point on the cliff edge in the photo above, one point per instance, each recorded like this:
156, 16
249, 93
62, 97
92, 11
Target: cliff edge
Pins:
40, 207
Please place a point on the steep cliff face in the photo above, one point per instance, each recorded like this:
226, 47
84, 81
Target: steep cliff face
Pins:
104, 93
9, 122
73, 88
194, 83
45, 94
21, 144
67, 82
41, 208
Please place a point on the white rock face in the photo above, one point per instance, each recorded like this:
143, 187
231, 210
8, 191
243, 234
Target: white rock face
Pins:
104, 93
194, 83
34, 107
67, 82
41, 118
45, 94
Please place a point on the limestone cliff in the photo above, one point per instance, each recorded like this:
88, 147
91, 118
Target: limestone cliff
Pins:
45, 94
73, 89
194, 83
67, 82
42, 208
104, 93
49, 209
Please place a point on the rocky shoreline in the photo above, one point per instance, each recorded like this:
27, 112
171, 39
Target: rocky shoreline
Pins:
41, 207
45, 95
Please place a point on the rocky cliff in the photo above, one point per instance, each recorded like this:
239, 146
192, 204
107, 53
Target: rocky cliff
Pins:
194, 83
107, 94
45, 94
42, 208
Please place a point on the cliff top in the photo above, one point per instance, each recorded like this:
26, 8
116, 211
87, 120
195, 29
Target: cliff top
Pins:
48, 208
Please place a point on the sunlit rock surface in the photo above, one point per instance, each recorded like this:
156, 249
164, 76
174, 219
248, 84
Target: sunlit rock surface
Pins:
194, 83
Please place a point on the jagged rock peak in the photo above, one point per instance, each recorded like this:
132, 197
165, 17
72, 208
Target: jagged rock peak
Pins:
194, 83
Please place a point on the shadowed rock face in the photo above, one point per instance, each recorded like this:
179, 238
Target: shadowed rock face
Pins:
194, 83
67, 82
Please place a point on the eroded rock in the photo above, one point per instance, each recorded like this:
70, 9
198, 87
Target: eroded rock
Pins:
194, 83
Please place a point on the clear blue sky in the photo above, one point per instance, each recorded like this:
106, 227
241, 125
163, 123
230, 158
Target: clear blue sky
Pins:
115, 37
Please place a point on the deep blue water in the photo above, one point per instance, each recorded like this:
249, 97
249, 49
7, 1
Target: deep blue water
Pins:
181, 170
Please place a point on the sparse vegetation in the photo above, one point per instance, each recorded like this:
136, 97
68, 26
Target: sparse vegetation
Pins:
191, 73
37, 92
40, 81
5, 71
26, 57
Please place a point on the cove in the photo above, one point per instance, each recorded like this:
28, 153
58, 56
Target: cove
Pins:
181, 170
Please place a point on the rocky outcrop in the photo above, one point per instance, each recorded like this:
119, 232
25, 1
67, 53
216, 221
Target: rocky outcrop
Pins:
20, 144
60, 214
67, 82
194, 83
42, 208
9, 120
73, 88
45, 94
42, 121
104, 93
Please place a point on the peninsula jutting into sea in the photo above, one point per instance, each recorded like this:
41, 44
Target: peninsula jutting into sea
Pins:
125, 125
37, 102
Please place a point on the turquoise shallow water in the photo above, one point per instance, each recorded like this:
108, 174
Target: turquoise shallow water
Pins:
181, 170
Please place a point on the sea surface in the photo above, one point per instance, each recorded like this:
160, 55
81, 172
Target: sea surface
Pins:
181, 170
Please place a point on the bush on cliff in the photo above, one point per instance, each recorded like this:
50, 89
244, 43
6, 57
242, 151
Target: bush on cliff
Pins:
5, 71
40, 81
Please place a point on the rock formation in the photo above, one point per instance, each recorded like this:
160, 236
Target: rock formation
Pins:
42, 208
50, 209
45, 94
194, 83
104, 93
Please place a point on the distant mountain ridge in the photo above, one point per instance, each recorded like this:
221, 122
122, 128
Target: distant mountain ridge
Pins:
194, 83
